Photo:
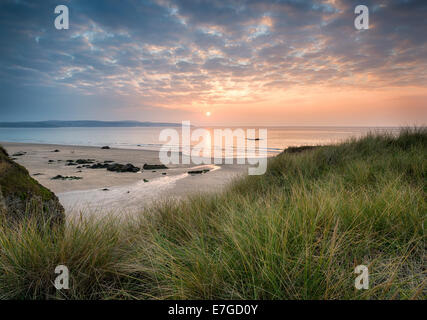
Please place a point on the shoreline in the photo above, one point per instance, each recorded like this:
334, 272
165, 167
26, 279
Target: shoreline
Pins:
98, 190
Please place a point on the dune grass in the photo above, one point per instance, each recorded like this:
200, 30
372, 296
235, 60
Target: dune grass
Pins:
296, 232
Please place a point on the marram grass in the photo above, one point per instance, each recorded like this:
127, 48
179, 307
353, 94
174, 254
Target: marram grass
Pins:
296, 232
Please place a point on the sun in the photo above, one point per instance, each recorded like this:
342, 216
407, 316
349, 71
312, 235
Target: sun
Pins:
208, 114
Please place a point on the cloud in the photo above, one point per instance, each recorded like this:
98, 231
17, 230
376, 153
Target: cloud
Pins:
178, 54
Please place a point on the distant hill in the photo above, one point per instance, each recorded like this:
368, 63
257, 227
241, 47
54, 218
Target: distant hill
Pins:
84, 123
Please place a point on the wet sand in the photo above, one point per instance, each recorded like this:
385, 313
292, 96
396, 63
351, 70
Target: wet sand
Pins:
101, 191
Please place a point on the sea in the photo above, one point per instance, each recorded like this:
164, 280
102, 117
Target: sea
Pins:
148, 138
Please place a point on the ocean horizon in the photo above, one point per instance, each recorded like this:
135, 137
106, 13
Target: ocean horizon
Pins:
147, 138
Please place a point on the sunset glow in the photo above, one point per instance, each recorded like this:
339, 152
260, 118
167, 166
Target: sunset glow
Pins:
258, 63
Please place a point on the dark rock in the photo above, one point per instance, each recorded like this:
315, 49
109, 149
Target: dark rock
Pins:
50, 161
105, 189
38, 174
198, 171
108, 161
21, 196
116, 167
145, 180
18, 154
105, 147
59, 177
85, 161
164, 173
98, 166
154, 166
71, 164
56, 150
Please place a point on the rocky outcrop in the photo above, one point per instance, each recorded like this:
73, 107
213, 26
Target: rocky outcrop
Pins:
98, 166
85, 161
21, 196
198, 171
117, 167
154, 166
79, 161
60, 177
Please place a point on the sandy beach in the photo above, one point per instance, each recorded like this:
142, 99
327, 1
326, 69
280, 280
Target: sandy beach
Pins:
100, 191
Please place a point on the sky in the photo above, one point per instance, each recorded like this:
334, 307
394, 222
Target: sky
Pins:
243, 62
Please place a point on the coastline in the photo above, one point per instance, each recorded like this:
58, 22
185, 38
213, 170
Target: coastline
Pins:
101, 191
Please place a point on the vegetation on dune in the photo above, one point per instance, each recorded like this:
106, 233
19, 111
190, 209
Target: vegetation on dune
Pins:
21, 196
14, 178
296, 232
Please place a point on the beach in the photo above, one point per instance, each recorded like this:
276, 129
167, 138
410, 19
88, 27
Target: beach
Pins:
99, 191
51, 152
